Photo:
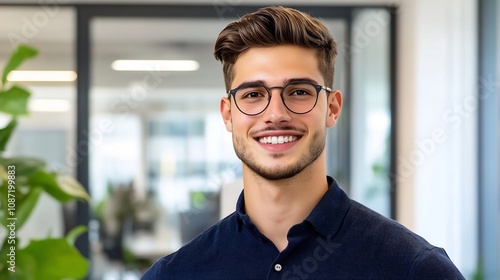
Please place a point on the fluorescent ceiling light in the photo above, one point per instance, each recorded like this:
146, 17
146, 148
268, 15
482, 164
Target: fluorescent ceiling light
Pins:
155, 65
49, 105
42, 76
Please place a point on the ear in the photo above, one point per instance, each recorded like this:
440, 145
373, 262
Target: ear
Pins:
334, 108
225, 111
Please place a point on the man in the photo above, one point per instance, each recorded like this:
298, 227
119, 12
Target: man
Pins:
291, 220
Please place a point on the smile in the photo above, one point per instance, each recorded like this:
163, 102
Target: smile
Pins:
277, 139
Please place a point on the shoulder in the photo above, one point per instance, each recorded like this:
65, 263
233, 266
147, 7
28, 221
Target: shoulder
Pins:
362, 220
393, 245
205, 246
377, 227
433, 263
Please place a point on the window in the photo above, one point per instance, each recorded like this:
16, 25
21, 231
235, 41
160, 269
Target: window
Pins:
489, 140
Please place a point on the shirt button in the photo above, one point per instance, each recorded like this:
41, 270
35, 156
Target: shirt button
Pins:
278, 267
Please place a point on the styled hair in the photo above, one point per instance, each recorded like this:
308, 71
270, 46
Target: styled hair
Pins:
274, 26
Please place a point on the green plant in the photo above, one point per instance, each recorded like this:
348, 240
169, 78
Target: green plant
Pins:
22, 182
479, 273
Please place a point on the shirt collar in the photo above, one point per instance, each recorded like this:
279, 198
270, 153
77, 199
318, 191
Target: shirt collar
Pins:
241, 215
325, 217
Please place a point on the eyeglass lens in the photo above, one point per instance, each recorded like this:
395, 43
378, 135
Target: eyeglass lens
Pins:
298, 98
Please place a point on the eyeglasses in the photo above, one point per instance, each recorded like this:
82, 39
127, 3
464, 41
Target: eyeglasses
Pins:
300, 97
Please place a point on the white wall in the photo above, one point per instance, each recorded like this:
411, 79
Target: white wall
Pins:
437, 130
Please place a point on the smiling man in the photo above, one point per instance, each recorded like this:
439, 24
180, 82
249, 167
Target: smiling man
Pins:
292, 221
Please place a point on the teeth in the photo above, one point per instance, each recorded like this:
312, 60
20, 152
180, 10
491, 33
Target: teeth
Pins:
277, 139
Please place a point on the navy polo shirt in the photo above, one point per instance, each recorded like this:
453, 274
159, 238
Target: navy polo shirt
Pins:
340, 239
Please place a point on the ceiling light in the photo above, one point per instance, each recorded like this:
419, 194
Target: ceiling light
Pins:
155, 65
42, 76
49, 105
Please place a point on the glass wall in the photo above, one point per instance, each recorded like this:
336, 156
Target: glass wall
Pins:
161, 153
370, 109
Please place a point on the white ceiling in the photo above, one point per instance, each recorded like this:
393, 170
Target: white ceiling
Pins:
113, 39
157, 39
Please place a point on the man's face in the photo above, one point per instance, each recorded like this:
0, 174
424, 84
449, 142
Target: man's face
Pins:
278, 144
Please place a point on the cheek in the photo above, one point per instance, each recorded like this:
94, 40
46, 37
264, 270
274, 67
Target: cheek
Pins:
317, 117
241, 124
322, 115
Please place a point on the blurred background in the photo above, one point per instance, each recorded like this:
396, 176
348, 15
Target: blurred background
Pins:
417, 140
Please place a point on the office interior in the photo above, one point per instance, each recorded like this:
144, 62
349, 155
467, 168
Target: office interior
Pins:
417, 140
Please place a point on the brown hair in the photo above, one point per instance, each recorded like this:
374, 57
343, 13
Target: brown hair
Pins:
273, 26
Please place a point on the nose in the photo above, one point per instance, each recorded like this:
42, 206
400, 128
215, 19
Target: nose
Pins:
276, 112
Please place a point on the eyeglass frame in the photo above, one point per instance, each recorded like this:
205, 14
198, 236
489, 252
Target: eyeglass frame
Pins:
318, 88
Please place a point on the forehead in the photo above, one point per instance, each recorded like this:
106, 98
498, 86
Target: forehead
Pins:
273, 65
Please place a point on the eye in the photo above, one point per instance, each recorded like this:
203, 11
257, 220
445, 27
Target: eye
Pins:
252, 94
299, 92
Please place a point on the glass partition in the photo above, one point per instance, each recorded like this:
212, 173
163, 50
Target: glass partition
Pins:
161, 153
371, 109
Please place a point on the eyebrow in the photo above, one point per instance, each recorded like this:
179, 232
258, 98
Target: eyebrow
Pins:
285, 81
305, 79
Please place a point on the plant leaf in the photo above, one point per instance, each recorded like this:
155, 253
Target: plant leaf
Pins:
75, 233
5, 134
25, 166
25, 267
62, 188
4, 250
24, 210
72, 187
49, 183
22, 53
14, 101
56, 259
24, 263
3, 200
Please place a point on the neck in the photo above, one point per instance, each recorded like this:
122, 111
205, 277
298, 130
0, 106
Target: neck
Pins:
275, 206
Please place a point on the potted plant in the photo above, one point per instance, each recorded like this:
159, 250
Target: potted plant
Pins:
22, 182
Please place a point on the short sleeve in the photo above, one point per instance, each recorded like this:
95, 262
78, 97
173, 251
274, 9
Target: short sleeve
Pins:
433, 263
